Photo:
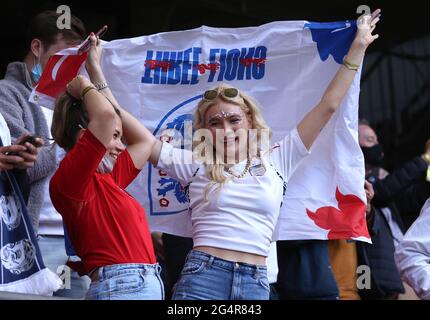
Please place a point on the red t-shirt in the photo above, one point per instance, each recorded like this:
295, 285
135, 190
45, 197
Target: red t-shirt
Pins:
106, 225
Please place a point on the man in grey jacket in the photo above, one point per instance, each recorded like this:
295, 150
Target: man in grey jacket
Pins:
44, 39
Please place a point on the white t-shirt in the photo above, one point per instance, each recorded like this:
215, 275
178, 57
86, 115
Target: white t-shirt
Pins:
4, 132
242, 216
272, 264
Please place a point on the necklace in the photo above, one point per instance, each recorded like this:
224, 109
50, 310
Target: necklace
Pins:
245, 171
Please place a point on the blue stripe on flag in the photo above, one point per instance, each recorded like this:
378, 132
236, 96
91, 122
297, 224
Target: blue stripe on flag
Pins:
333, 38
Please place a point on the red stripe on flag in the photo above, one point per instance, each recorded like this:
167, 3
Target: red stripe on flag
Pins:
59, 71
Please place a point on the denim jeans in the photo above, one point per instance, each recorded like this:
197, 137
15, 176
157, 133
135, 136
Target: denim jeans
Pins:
205, 277
127, 282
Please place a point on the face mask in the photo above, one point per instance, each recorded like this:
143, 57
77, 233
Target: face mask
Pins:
106, 165
373, 155
36, 72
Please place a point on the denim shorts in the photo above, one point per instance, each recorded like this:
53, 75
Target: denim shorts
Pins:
205, 277
127, 282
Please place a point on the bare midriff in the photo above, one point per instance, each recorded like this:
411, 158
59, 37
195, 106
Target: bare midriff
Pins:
232, 255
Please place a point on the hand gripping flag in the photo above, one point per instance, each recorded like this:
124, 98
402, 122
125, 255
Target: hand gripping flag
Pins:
286, 66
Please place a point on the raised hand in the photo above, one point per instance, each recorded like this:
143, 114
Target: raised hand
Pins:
365, 26
76, 86
94, 54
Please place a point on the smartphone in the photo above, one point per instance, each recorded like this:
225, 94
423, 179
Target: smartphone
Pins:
87, 43
29, 138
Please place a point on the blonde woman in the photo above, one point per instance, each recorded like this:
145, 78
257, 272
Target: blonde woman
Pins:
235, 204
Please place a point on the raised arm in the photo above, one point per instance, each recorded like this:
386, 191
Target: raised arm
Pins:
101, 114
398, 181
316, 119
141, 143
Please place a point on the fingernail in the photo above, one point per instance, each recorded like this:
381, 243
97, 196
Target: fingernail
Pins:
92, 33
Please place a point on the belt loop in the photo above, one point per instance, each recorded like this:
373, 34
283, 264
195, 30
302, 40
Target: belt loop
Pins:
158, 268
257, 271
189, 254
211, 260
100, 272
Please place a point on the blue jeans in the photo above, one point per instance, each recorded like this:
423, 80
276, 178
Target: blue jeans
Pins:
127, 282
205, 277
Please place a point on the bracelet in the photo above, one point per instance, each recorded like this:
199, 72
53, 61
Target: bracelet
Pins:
86, 90
101, 86
350, 66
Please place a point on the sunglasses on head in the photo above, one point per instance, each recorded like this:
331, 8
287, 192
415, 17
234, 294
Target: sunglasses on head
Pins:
228, 93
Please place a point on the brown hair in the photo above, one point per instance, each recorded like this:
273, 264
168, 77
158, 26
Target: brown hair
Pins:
44, 27
70, 116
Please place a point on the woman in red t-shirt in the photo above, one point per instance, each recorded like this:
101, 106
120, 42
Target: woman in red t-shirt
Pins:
107, 227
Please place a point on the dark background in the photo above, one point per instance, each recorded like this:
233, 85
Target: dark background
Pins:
395, 95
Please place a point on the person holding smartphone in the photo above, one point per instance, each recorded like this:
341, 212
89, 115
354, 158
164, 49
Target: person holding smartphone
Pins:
19, 156
43, 39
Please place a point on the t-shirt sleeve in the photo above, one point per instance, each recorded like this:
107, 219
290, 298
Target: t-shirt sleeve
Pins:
287, 154
177, 163
75, 174
124, 170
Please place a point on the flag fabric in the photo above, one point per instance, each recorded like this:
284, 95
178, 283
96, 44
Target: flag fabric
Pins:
22, 269
286, 66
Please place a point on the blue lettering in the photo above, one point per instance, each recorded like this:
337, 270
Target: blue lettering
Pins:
174, 67
258, 69
242, 64
147, 75
196, 58
232, 62
165, 67
186, 66
222, 57
157, 69
212, 60
174, 76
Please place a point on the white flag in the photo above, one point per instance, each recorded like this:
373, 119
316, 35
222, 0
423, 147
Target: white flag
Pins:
286, 67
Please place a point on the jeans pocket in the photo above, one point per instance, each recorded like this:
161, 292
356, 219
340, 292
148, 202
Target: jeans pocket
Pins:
91, 294
193, 267
264, 282
98, 291
126, 283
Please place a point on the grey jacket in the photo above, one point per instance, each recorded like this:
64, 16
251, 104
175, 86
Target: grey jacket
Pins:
22, 116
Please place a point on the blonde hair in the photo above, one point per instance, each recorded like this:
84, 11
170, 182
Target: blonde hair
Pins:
250, 108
